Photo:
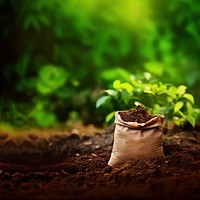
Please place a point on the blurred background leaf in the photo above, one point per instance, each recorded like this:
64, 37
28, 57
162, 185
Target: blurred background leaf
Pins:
65, 52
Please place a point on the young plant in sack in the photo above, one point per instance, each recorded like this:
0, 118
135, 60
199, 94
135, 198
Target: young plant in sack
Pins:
137, 134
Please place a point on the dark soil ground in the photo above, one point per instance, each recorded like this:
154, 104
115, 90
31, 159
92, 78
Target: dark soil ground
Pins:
74, 166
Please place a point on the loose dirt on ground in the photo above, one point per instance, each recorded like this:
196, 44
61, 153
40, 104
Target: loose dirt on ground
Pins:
73, 165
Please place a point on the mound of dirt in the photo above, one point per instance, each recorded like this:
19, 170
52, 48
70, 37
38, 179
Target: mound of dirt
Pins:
139, 115
74, 167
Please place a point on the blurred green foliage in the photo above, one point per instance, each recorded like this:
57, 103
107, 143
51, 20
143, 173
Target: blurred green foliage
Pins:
56, 56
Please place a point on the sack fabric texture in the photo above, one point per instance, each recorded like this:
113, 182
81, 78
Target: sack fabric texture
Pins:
136, 140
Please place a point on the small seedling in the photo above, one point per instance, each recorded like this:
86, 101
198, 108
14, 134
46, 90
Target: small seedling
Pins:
174, 102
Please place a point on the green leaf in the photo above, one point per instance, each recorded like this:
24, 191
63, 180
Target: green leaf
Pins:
53, 76
110, 116
44, 19
192, 28
155, 68
127, 86
191, 120
125, 97
111, 92
101, 101
22, 66
178, 106
170, 93
181, 90
149, 91
31, 21
114, 74
58, 32
190, 108
65, 92
117, 84
189, 97
43, 88
45, 119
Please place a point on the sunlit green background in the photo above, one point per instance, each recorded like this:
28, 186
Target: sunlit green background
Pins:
57, 55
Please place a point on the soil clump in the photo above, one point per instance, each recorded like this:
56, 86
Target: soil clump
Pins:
139, 115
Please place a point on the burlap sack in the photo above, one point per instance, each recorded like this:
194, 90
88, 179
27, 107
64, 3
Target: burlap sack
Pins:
132, 139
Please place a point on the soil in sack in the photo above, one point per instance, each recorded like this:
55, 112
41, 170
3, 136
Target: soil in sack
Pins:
137, 134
